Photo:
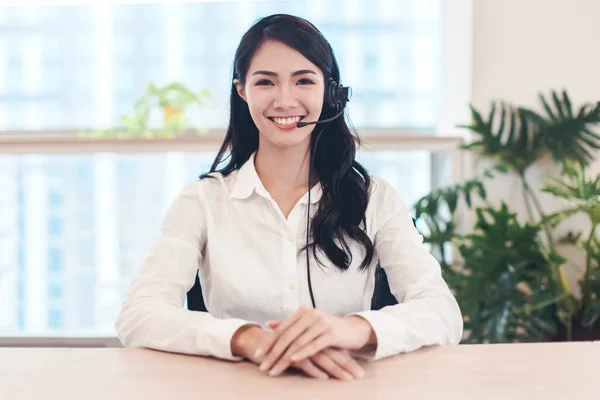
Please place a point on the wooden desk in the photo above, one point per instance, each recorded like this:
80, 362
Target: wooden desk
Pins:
482, 372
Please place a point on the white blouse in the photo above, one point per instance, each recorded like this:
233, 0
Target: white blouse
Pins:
232, 233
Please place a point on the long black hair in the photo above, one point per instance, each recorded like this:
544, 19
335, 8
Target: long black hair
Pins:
345, 182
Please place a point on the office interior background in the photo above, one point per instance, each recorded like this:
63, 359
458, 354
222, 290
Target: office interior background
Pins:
78, 214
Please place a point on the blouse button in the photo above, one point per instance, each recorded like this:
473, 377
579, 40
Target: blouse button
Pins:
292, 286
291, 239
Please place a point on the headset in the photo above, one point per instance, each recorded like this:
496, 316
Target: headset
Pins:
336, 98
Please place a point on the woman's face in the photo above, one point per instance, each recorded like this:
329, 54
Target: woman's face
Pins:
283, 87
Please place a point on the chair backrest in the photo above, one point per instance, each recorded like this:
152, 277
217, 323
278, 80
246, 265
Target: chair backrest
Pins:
382, 295
195, 300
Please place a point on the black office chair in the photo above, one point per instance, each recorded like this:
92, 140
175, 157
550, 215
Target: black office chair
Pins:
382, 295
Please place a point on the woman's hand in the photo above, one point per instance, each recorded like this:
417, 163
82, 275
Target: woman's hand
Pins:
332, 362
308, 332
248, 339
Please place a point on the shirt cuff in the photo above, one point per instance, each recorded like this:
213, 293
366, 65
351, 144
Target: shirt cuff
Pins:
389, 338
219, 340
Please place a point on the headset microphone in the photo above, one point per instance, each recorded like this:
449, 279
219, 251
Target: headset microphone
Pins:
302, 123
336, 97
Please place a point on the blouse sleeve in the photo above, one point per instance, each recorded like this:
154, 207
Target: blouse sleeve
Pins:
427, 313
153, 313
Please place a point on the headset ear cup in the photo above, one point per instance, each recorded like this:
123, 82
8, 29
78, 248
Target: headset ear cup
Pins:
331, 98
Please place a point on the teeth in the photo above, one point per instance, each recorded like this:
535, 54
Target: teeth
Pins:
286, 121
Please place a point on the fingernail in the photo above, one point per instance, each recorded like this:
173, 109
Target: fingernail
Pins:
295, 357
263, 366
258, 353
360, 374
324, 376
348, 377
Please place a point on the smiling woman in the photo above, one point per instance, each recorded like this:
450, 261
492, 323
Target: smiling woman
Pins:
260, 305
286, 47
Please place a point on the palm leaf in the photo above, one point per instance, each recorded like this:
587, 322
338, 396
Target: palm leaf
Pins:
564, 133
582, 193
515, 142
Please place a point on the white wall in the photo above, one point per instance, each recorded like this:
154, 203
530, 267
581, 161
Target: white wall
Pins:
522, 47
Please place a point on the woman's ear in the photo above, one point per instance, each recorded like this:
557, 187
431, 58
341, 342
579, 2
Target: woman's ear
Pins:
240, 89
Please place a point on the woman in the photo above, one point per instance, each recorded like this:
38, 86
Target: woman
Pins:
243, 228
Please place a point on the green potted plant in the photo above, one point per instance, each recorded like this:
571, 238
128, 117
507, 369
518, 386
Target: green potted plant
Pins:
582, 195
173, 100
506, 284
509, 278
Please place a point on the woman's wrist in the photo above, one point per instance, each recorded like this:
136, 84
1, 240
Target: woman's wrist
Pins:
241, 339
364, 331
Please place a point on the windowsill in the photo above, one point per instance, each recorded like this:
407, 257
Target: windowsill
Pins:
67, 142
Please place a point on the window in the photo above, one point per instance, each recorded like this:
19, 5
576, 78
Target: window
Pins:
91, 259
74, 227
55, 291
75, 67
54, 226
55, 318
55, 259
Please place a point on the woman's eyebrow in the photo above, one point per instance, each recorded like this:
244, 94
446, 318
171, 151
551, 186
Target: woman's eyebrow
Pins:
296, 73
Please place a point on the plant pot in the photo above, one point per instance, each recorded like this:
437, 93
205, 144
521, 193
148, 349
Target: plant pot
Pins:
171, 113
579, 333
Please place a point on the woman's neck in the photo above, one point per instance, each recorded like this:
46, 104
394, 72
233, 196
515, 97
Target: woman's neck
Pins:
284, 169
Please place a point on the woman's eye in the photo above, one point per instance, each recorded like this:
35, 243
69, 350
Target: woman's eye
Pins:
305, 81
263, 82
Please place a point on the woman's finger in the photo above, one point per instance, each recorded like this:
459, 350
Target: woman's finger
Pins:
320, 343
267, 340
331, 367
260, 352
281, 327
344, 360
273, 324
286, 323
311, 369
285, 339
308, 336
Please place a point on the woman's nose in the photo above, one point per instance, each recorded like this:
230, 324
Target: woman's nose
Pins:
285, 98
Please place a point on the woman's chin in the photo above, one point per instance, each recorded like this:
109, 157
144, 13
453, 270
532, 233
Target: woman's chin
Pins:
293, 138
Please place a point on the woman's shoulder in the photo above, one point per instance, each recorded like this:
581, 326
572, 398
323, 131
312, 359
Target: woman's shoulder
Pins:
197, 197
381, 187
212, 180
207, 186
383, 196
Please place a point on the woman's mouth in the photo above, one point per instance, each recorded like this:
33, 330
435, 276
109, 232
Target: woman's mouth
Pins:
286, 122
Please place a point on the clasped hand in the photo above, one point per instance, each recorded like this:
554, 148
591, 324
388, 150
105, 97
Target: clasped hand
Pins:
309, 340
